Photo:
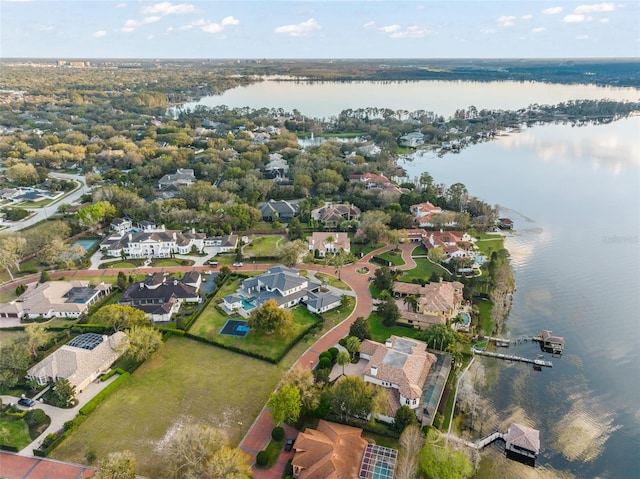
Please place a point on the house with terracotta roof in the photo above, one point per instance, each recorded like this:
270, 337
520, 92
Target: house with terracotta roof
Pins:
80, 361
439, 302
402, 364
328, 242
55, 299
425, 214
455, 244
337, 451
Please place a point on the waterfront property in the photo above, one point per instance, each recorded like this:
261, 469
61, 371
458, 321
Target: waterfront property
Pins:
522, 443
549, 342
436, 303
55, 299
80, 361
400, 364
336, 451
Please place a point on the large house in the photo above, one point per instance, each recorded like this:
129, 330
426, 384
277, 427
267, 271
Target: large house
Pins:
221, 244
80, 361
182, 177
401, 364
158, 243
337, 451
283, 285
55, 299
324, 243
160, 297
278, 210
436, 303
332, 215
454, 243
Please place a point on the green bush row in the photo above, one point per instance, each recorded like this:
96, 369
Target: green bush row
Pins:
376, 427
111, 373
52, 440
8, 447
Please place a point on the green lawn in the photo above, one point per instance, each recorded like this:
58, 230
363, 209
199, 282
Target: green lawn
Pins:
363, 248
14, 432
263, 245
185, 382
333, 281
419, 251
212, 319
380, 333
423, 271
9, 337
393, 257
486, 322
163, 263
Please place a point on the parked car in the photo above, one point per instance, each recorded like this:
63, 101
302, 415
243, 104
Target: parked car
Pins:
26, 402
213, 263
237, 264
289, 444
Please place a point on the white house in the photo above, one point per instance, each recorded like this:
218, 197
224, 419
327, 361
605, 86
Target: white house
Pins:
158, 243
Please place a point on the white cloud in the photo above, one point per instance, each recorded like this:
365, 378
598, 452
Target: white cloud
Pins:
488, 30
212, 28
132, 25
186, 27
199, 22
526, 17
99, 34
151, 37
226, 21
412, 31
390, 28
507, 20
552, 11
168, 8
582, 37
121, 5
368, 24
169, 29
538, 29
575, 18
303, 29
596, 8
604, 20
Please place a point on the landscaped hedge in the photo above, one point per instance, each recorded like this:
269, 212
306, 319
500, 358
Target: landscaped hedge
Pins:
376, 427
382, 261
52, 440
111, 373
8, 447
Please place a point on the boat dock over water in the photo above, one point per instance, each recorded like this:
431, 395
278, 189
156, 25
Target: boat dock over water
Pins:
511, 357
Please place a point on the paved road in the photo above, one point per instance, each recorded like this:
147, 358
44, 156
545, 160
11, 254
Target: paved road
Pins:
40, 214
259, 433
58, 415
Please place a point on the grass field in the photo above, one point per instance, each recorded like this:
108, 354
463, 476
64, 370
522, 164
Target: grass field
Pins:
14, 432
380, 332
423, 271
486, 322
185, 382
263, 245
393, 257
333, 281
212, 319
9, 337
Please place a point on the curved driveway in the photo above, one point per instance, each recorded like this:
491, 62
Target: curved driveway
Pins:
259, 433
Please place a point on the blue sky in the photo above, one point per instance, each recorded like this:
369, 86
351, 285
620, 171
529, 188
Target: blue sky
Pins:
325, 29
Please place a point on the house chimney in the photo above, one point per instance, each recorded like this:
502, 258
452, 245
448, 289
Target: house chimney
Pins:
387, 343
130, 237
374, 371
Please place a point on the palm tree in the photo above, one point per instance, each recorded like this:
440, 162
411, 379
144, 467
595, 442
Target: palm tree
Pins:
343, 358
411, 301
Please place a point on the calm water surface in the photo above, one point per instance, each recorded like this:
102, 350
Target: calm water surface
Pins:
325, 99
574, 194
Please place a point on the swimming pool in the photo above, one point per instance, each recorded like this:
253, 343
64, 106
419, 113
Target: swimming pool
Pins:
247, 305
466, 319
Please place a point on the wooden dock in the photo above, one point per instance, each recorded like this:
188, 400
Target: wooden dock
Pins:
478, 445
511, 357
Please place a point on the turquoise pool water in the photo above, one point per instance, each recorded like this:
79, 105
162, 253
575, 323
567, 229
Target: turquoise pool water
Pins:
246, 305
381, 471
466, 319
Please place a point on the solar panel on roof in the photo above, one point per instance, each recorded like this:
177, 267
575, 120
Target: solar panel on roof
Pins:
87, 341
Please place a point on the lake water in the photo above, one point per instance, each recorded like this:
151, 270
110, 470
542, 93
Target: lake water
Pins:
574, 194
326, 99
